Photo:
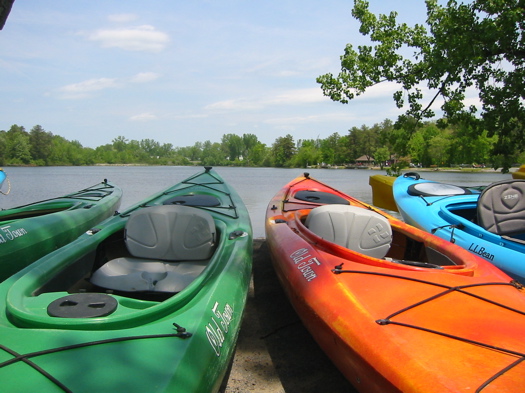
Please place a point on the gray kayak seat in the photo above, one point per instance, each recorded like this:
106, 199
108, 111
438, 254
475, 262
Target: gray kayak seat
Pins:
170, 246
352, 227
501, 208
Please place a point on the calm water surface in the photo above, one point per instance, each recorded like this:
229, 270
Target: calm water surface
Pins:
256, 186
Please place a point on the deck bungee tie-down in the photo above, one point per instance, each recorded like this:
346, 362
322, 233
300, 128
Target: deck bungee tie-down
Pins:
94, 193
100, 191
453, 227
431, 203
208, 203
181, 333
449, 289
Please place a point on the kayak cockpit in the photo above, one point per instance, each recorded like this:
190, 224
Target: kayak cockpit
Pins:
85, 199
161, 251
169, 246
352, 227
38, 210
482, 221
465, 210
365, 236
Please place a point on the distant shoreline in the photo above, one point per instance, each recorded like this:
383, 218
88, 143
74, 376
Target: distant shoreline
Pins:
443, 169
374, 168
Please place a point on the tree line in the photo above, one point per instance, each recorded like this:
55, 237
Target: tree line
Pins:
381, 144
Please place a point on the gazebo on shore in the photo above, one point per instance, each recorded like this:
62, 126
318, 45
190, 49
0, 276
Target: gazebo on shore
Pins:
365, 160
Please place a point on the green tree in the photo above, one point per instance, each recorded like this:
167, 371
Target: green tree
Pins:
283, 150
386, 129
135, 152
233, 146
342, 155
438, 148
482, 146
259, 155
60, 152
467, 146
418, 148
17, 146
249, 143
77, 155
353, 143
104, 154
150, 147
40, 145
381, 155
476, 43
370, 141
363, 141
212, 154
328, 149
308, 153
121, 150
120, 143
195, 152
165, 150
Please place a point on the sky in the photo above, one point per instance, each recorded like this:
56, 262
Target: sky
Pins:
182, 72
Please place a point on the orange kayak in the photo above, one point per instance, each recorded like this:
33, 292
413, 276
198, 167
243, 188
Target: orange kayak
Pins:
395, 308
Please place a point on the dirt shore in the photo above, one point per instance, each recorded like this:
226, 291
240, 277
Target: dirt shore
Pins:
275, 353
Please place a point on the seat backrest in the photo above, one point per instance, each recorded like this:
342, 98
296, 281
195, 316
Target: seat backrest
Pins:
355, 228
501, 207
170, 233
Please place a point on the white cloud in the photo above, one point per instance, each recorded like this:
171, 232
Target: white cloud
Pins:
291, 97
287, 73
88, 87
299, 96
122, 18
143, 117
384, 89
140, 38
83, 89
324, 118
192, 116
143, 77
234, 105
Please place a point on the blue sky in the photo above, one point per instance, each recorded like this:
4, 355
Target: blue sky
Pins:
182, 72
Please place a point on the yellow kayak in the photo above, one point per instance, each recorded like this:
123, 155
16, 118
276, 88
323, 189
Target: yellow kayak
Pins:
520, 173
382, 195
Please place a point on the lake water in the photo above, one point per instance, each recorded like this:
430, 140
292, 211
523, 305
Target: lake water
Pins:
256, 186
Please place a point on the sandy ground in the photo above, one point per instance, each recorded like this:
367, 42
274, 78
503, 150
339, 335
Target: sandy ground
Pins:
275, 353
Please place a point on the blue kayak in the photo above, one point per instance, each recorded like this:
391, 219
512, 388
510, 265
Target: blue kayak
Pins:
489, 223
2, 176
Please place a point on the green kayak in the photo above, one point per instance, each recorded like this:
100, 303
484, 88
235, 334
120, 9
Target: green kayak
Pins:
29, 232
150, 300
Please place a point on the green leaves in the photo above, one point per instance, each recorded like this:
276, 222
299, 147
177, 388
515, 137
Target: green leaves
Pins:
477, 44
